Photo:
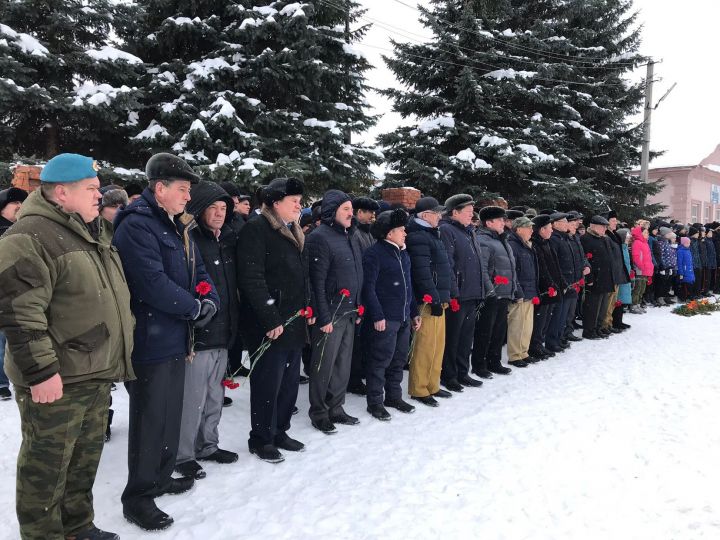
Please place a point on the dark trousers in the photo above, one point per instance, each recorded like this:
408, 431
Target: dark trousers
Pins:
572, 299
698, 285
684, 291
59, 455
617, 316
156, 400
712, 281
330, 369
459, 332
594, 310
558, 321
662, 286
541, 321
489, 336
273, 393
359, 356
386, 355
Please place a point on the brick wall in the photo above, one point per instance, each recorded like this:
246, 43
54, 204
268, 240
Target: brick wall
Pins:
26, 177
405, 195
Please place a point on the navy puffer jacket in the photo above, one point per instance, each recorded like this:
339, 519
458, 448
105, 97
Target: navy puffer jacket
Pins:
387, 286
464, 253
526, 265
431, 272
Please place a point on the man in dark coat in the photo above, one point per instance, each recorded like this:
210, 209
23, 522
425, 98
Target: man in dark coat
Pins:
491, 323
561, 244
163, 267
619, 273
336, 276
273, 281
203, 397
391, 312
431, 277
599, 282
582, 269
365, 209
550, 283
240, 210
469, 285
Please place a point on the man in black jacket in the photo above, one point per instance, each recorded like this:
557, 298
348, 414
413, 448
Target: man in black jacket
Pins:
203, 398
365, 209
561, 244
469, 285
619, 273
273, 280
431, 277
336, 277
599, 282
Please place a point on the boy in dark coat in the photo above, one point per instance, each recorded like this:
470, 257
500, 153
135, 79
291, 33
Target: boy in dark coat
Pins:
272, 277
336, 276
203, 398
163, 267
391, 310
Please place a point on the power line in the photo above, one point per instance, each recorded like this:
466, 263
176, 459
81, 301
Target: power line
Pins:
557, 56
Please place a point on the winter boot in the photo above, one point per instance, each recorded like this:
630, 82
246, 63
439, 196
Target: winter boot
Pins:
379, 412
635, 309
400, 405
93, 533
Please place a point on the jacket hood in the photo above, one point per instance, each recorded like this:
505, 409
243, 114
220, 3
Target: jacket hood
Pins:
206, 193
330, 203
637, 235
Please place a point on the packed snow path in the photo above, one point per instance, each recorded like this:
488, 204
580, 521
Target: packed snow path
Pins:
615, 439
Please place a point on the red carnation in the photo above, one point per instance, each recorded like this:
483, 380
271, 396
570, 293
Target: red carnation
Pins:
576, 287
581, 283
454, 304
588, 256
535, 301
501, 280
229, 383
203, 288
618, 304
427, 299
344, 292
361, 310
649, 280
306, 312
632, 274
552, 292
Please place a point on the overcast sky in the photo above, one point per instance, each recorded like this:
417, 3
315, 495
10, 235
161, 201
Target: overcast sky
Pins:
686, 125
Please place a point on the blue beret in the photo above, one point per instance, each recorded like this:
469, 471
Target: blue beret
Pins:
65, 168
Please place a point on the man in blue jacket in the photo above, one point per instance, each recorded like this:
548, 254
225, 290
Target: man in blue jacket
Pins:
170, 293
336, 276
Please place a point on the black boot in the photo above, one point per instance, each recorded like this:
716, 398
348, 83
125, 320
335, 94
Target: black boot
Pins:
426, 400
518, 363
93, 533
268, 453
221, 456
467, 380
179, 485
324, 425
344, 419
146, 515
379, 412
400, 405
289, 444
191, 469
442, 394
453, 385
500, 369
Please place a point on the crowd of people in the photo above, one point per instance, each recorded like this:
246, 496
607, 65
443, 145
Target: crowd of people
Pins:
167, 289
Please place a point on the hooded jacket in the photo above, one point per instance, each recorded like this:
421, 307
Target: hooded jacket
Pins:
686, 270
220, 257
335, 263
64, 302
641, 256
163, 267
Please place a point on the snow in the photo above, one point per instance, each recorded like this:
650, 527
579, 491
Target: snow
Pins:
446, 122
468, 156
152, 131
197, 125
329, 124
714, 168
353, 51
493, 140
25, 42
96, 94
294, 10
509, 74
180, 21
612, 439
113, 54
266, 11
508, 33
532, 150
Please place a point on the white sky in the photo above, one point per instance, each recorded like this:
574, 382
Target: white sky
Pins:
687, 123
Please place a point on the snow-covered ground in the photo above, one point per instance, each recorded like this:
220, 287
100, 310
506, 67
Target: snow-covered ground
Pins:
616, 439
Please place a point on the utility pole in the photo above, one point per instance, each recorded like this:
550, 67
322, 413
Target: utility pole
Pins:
645, 158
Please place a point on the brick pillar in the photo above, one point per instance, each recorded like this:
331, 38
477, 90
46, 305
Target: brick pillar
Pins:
26, 177
407, 196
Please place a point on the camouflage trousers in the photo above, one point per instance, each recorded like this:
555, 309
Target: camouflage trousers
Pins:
61, 446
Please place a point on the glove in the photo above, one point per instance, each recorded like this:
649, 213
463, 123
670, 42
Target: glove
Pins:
207, 312
436, 310
680, 277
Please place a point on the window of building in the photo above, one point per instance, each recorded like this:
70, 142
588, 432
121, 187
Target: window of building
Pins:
717, 214
694, 212
708, 212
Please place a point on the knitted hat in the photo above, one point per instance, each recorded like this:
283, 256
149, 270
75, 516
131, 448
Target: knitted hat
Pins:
521, 223
685, 241
664, 231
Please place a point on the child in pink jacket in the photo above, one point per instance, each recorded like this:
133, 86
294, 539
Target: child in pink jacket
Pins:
642, 265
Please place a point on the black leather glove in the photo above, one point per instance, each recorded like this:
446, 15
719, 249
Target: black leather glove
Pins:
436, 310
207, 312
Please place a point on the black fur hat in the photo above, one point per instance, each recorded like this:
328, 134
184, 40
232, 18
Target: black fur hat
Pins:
514, 214
280, 188
492, 212
365, 203
540, 221
166, 166
387, 221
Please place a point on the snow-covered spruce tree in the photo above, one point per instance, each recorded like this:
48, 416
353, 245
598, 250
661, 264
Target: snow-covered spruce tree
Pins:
523, 99
251, 90
63, 87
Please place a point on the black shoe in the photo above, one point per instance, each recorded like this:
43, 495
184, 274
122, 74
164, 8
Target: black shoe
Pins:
625, 326
267, 453
573, 337
564, 344
539, 354
500, 370
5, 393
191, 469
518, 363
616, 330
295, 411
547, 352
400, 405
221, 456
453, 385
590, 335
379, 412
483, 374
178, 486
358, 388
227, 401
289, 444
467, 380
93, 533
426, 400
304, 379
531, 360
554, 349
324, 425
344, 419
442, 394
146, 515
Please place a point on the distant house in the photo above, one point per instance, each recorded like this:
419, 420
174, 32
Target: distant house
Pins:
691, 193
